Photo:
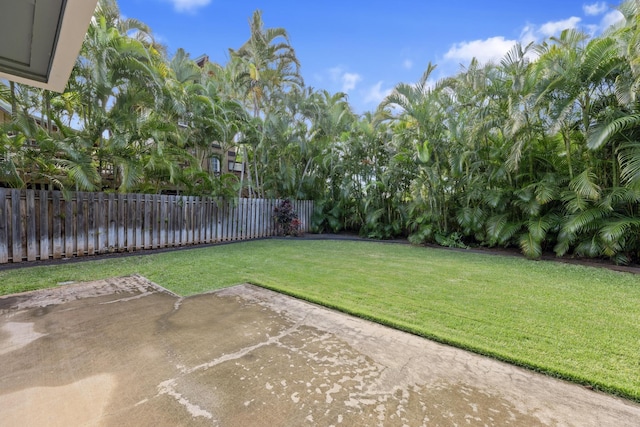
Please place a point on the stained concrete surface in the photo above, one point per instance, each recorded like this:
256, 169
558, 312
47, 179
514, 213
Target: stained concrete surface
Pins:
124, 352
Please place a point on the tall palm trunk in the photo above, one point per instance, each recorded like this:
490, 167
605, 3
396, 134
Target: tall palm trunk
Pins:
566, 136
246, 167
14, 101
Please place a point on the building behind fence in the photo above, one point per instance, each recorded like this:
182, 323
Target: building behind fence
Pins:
41, 225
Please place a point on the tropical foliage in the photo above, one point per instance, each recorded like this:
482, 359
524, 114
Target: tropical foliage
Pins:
540, 151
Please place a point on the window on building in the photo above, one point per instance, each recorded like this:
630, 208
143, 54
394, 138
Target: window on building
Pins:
215, 165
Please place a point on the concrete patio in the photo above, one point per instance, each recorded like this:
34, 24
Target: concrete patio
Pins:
125, 351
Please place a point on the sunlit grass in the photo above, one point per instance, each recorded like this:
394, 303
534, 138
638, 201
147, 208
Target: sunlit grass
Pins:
575, 322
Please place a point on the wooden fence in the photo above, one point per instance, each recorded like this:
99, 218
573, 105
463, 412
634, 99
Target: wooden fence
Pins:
41, 225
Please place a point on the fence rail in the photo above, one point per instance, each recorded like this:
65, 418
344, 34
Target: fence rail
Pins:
41, 225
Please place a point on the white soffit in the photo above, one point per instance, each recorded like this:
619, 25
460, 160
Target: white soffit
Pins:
40, 40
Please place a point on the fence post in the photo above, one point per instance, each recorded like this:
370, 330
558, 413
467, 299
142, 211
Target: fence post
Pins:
177, 220
17, 225
259, 217
233, 220
162, 219
69, 242
226, 221
102, 214
30, 225
4, 227
81, 237
121, 224
189, 219
244, 211
112, 223
56, 224
197, 220
130, 222
214, 220
206, 220
138, 220
91, 224
43, 198
170, 201
145, 236
267, 217
254, 217
221, 212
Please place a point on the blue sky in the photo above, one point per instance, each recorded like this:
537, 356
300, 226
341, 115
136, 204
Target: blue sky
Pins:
365, 48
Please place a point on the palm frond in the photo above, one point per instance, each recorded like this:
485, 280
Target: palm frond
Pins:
587, 220
603, 133
629, 158
614, 229
530, 246
585, 186
590, 247
564, 242
500, 229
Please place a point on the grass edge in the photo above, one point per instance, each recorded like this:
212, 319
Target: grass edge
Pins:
557, 374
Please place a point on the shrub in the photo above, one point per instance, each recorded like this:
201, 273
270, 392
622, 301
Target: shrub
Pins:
287, 221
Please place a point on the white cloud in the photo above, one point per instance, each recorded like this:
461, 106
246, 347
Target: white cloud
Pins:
494, 48
554, 28
375, 94
188, 5
591, 29
349, 81
528, 34
346, 79
532, 33
491, 49
408, 64
611, 18
594, 9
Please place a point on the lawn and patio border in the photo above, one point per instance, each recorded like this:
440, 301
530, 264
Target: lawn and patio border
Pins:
399, 325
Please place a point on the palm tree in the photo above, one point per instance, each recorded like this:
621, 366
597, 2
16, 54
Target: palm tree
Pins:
118, 80
576, 76
266, 64
425, 110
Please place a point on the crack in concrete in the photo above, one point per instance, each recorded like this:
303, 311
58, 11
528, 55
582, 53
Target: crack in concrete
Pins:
168, 387
242, 352
142, 295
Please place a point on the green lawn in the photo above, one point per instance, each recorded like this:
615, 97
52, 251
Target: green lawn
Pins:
574, 322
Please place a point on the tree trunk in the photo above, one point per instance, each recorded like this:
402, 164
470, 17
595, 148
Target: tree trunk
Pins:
248, 169
241, 178
46, 110
567, 145
304, 172
14, 102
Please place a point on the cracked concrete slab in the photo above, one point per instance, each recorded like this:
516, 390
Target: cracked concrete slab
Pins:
125, 351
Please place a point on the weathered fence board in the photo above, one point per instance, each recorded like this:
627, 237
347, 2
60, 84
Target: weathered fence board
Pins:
112, 230
81, 225
102, 215
40, 225
56, 224
17, 225
31, 226
4, 225
68, 231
